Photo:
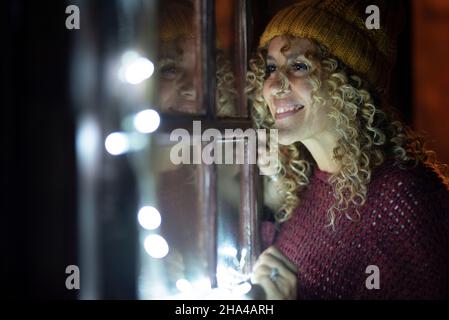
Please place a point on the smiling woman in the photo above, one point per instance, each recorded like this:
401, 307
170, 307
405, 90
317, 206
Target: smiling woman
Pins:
320, 77
288, 89
177, 62
177, 67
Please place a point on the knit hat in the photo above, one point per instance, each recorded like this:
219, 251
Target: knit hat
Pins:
176, 21
340, 26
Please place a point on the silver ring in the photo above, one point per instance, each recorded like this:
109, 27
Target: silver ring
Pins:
274, 274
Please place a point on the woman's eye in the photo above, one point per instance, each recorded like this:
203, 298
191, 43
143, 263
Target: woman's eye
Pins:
270, 69
300, 66
168, 71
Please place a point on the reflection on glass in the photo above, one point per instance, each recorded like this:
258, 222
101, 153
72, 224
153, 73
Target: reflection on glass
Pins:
225, 49
230, 256
177, 62
177, 65
184, 264
180, 262
233, 253
176, 261
226, 93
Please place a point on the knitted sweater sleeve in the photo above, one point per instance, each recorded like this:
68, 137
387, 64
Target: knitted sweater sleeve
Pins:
407, 238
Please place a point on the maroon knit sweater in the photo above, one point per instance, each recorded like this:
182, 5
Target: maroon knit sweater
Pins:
404, 230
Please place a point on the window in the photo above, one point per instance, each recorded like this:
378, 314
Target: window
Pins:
178, 66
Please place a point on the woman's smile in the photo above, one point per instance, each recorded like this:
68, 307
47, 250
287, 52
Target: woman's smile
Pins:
286, 111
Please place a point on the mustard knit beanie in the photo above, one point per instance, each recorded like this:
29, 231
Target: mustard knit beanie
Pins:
176, 21
340, 26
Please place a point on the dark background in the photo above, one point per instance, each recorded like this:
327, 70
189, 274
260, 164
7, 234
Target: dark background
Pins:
39, 199
38, 225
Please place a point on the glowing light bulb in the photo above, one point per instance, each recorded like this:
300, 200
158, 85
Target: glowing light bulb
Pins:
203, 284
156, 246
149, 218
242, 289
228, 251
147, 121
135, 69
116, 143
183, 285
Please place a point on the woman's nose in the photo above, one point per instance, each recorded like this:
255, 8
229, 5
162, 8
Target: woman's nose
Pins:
187, 88
188, 93
280, 84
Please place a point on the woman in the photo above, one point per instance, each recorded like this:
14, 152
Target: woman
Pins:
364, 210
176, 67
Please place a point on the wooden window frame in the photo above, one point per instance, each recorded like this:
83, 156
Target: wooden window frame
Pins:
204, 24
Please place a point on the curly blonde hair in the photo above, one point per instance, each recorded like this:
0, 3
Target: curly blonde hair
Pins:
226, 92
367, 136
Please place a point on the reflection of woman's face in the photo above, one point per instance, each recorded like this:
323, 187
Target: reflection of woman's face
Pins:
176, 71
287, 90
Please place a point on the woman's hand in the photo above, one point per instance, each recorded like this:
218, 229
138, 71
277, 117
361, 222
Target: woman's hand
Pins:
276, 274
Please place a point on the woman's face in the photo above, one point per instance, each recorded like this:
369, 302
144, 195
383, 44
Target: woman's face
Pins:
175, 72
287, 90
